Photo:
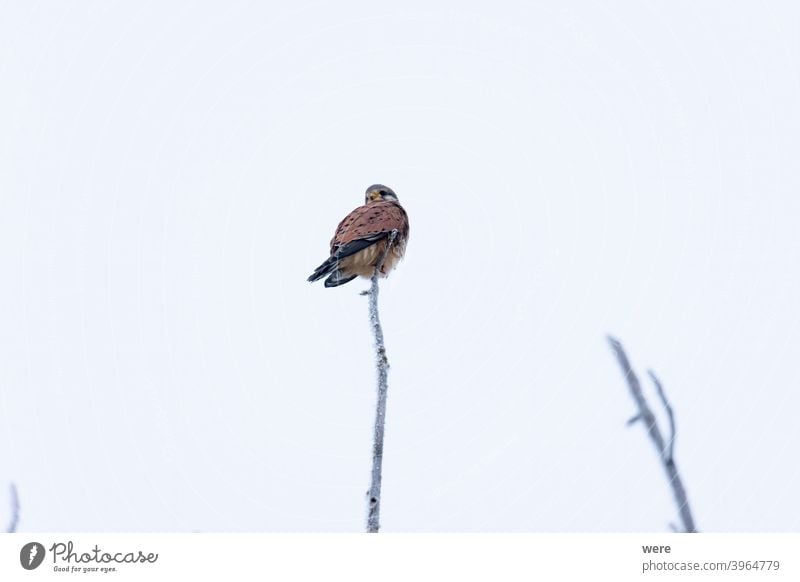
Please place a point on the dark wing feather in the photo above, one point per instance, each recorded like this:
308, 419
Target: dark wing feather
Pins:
357, 245
351, 248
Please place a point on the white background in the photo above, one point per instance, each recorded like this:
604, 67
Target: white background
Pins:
170, 173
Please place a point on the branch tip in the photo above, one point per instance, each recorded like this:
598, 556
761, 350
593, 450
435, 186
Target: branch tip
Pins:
665, 447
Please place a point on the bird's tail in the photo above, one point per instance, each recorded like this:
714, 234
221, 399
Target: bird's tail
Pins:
325, 268
338, 278
335, 276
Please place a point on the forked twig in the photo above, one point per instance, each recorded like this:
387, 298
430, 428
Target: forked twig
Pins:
664, 447
670, 415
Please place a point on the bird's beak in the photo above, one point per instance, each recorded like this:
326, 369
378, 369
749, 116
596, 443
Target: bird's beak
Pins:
374, 195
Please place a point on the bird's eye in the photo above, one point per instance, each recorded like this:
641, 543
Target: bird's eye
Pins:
382, 192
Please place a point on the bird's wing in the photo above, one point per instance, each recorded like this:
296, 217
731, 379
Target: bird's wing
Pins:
366, 225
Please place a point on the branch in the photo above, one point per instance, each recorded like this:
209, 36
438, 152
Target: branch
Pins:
12, 525
665, 448
382, 365
670, 414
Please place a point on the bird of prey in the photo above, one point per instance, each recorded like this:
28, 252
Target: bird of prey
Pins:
361, 239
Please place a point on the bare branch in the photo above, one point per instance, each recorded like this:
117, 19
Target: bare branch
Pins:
670, 414
664, 448
634, 419
382, 365
12, 525
645, 413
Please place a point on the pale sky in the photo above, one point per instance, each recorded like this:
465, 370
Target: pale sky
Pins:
170, 173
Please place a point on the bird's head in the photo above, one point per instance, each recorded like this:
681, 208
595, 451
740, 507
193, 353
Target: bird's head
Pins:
378, 192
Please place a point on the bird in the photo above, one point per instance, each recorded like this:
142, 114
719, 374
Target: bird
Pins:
361, 238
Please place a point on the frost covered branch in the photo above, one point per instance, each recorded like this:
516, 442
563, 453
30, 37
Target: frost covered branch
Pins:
665, 447
382, 365
12, 525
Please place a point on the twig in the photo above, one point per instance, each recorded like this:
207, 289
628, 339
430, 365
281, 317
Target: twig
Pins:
665, 448
382, 365
668, 408
12, 525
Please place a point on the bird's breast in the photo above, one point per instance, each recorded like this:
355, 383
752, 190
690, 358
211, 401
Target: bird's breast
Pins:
363, 262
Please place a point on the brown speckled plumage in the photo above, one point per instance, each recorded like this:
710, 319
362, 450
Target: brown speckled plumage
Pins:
361, 237
369, 220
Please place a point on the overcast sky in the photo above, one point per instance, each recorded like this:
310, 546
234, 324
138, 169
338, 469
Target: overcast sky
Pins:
170, 174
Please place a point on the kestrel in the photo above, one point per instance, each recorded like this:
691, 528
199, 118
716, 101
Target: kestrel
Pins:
361, 239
